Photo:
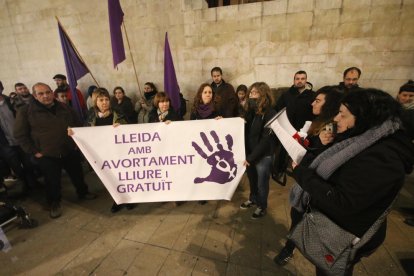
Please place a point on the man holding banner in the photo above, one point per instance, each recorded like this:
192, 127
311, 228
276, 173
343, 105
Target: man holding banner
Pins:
41, 130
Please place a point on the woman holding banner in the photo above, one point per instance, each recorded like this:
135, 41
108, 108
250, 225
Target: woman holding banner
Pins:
203, 108
103, 115
260, 145
163, 111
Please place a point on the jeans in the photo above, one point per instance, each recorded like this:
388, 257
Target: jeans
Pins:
259, 176
52, 170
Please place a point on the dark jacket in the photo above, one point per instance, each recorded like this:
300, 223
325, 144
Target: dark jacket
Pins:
341, 87
41, 129
18, 101
407, 118
171, 116
298, 105
260, 141
359, 191
225, 99
117, 118
125, 107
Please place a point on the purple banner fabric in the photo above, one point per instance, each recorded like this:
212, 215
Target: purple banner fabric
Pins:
75, 69
170, 79
116, 17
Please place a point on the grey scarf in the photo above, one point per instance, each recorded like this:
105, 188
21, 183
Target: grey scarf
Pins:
331, 159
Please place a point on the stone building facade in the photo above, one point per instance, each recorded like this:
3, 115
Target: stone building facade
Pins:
263, 41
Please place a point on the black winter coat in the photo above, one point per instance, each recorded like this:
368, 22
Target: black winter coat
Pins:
260, 141
171, 116
359, 191
126, 108
298, 106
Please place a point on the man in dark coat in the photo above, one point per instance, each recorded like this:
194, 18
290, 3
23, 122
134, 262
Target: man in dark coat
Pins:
41, 130
350, 80
298, 100
224, 96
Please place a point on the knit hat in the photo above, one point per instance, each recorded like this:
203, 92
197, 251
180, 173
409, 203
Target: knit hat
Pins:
407, 87
60, 76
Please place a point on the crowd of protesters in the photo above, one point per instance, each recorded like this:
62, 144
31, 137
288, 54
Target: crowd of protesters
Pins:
352, 186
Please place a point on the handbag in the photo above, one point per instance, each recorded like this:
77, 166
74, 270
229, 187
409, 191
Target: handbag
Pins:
326, 245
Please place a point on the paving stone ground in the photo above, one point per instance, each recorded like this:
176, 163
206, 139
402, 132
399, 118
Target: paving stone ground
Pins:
190, 239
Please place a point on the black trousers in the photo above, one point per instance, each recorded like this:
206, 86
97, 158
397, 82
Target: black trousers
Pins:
51, 168
296, 217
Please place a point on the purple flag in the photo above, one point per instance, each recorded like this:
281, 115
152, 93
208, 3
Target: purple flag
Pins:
170, 79
75, 69
116, 17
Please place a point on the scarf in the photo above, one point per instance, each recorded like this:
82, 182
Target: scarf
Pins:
103, 114
149, 95
162, 115
205, 110
338, 154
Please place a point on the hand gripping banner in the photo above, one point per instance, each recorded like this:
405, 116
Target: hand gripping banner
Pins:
189, 160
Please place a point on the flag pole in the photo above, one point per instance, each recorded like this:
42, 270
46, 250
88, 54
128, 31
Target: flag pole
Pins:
132, 58
76, 50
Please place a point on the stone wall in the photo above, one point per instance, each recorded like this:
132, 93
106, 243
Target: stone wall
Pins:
264, 41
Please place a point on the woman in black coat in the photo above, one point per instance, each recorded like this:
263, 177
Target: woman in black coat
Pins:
358, 177
162, 111
123, 105
325, 107
260, 145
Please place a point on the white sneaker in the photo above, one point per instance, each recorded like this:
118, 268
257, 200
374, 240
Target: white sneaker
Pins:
258, 213
247, 204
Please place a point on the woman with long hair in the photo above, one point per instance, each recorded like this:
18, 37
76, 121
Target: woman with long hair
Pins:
122, 104
203, 106
260, 145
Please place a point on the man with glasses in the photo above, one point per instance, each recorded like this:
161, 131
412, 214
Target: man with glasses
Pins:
351, 77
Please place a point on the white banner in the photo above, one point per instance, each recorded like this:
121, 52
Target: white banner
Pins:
188, 160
